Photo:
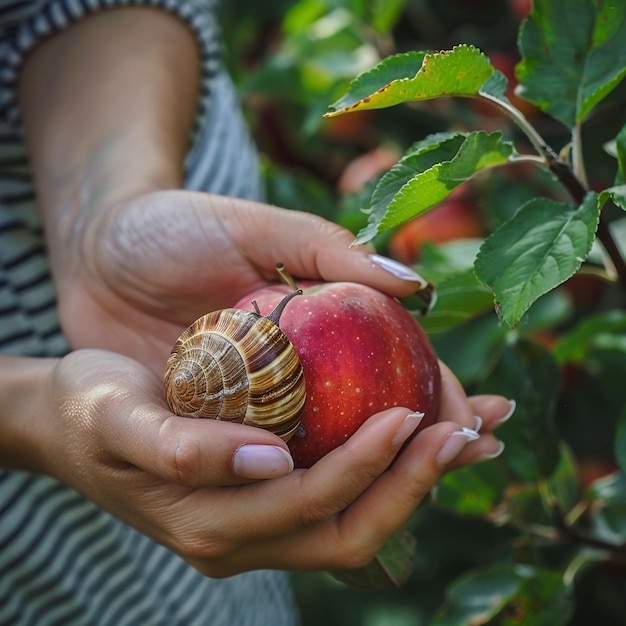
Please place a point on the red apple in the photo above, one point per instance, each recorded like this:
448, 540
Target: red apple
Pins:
361, 353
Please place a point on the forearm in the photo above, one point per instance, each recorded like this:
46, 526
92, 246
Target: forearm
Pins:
108, 107
24, 412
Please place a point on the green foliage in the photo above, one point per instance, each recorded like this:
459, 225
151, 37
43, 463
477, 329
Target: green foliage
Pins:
574, 55
508, 595
391, 568
417, 76
536, 250
428, 173
533, 309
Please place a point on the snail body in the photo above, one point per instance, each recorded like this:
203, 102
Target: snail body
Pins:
237, 366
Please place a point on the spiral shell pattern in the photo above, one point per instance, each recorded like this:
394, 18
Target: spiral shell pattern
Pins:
237, 366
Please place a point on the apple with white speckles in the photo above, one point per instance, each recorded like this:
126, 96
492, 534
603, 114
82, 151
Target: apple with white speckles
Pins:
361, 352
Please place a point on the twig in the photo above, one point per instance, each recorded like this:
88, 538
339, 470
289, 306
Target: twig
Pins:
578, 192
567, 177
575, 534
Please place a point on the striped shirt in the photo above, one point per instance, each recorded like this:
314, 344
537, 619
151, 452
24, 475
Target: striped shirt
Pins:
63, 560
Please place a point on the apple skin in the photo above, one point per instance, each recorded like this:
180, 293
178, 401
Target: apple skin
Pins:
361, 353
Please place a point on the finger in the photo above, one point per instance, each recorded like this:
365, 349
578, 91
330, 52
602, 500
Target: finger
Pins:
199, 452
352, 537
209, 452
301, 500
455, 406
313, 248
486, 448
337, 479
494, 410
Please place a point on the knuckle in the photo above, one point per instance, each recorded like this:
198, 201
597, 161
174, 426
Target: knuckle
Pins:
183, 463
205, 548
354, 556
315, 511
181, 459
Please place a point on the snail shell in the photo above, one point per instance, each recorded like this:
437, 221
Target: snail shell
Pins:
237, 366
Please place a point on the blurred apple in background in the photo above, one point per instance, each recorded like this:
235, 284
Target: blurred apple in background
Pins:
366, 167
520, 8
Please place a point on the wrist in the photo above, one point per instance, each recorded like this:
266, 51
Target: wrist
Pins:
120, 90
25, 415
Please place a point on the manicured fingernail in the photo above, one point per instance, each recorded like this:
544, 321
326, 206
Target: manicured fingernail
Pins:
487, 456
479, 422
455, 442
257, 461
399, 270
507, 415
408, 427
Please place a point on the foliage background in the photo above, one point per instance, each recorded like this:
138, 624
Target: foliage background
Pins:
510, 541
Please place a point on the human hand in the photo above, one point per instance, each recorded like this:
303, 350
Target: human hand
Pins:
194, 485
138, 274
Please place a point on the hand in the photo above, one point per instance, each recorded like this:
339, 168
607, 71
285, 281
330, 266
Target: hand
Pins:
175, 479
143, 271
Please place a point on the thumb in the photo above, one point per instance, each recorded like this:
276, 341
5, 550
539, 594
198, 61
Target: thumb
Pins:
203, 452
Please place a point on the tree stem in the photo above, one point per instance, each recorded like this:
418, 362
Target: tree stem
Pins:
568, 178
578, 192
580, 535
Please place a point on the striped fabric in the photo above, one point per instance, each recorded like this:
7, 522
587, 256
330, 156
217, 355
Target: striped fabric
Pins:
62, 559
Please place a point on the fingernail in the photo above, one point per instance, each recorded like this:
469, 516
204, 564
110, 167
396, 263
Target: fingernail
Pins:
492, 455
257, 461
455, 442
399, 270
508, 414
407, 428
479, 422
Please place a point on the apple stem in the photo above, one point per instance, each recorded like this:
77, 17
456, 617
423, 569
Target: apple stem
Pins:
285, 275
274, 316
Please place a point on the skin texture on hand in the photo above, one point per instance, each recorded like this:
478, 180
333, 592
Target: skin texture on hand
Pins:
135, 260
152, 265
110, 436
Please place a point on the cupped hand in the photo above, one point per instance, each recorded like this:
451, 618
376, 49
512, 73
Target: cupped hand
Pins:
136, 276
196, 485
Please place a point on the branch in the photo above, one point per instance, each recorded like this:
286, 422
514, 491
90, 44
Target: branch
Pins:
578, 192
576, 534
574, 186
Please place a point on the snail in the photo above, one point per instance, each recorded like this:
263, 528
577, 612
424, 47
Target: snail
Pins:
238, 366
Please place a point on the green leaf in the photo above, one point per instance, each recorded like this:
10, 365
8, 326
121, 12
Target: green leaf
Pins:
564, 484
609, 507
471, 490
408, 76
528, 373
468, 349
540, 247
620, 150
620, 441
428, 173
459, 294
616, 194
515, 594
526, 503
607, 329
390, 569
573, 56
